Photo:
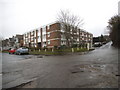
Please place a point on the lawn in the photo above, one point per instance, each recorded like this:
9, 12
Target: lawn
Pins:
58, 52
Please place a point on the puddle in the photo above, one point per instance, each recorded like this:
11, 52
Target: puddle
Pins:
28, 57
87, 68
98, 66
39, 56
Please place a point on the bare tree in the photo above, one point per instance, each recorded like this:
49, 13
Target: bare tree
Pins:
69, 24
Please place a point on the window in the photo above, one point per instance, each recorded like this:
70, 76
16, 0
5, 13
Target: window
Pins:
48, 34
44, 35
48, 27
44, 29
62, 30
48, 42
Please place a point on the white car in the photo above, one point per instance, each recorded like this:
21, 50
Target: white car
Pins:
22, 50
97, 44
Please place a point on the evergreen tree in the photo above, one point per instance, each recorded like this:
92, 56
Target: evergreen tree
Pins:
114, 27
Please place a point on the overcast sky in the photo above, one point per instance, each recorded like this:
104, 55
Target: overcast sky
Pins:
20, 16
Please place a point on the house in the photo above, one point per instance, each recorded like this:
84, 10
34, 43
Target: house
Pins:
14, 42
5, 44
18, 39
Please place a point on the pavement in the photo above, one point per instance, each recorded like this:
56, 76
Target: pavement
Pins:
95, 69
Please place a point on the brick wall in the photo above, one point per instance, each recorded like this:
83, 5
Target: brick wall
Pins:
53, 36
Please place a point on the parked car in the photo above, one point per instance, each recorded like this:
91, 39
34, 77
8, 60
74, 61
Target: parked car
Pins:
97, 44
22, 50
104, 42
12, 51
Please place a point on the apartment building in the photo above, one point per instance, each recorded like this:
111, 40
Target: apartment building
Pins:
86, 37
52, 35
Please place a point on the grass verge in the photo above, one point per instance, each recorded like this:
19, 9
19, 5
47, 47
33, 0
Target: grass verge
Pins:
57, 52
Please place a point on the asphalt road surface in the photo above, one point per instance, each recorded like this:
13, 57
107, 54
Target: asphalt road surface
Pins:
95, 69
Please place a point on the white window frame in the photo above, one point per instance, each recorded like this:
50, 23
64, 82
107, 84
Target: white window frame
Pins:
48, 27
49, 42
48, 34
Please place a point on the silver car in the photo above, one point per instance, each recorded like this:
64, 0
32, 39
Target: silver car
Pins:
22, 50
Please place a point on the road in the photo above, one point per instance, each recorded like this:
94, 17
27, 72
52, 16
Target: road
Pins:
95, 69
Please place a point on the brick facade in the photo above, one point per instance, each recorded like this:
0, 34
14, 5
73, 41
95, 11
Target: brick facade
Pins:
51, 35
